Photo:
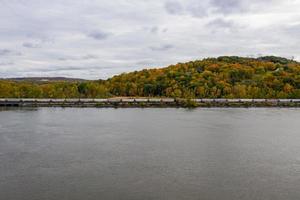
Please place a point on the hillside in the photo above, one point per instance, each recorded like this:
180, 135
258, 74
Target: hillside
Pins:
223, 77
228, 77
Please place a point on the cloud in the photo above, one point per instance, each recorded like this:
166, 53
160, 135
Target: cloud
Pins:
4, 52
145, 62
157, 30
31, 45
89, 57
220, 23
62, 68
74, 58
154, 29
192, 7
228, 6
292, 30
99, 35
6, 63
198, 9
8, 52
173, 7
162, 48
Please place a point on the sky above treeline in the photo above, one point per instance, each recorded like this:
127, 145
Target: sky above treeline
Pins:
96, 39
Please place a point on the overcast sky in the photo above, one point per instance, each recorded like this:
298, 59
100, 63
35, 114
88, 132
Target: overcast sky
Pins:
99, 38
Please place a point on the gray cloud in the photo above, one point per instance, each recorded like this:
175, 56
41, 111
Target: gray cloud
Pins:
62, 68
191, 7
154, 29
162, 48
63, 59
173, 7
6, 63
228, 6
198, 8
31, 45
4, 52
292, 30
85, 57
90, 57
99, 35
165, 30
220, 23
242, 6
8, 52
145, 62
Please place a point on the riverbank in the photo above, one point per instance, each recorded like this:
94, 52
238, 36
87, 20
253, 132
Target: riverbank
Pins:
149, 102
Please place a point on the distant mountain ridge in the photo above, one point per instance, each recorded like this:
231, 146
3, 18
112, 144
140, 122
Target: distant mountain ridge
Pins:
45, 79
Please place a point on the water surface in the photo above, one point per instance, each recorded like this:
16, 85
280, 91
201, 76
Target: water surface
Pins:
92, 154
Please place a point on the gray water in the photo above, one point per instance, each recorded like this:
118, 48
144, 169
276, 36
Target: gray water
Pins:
93, 154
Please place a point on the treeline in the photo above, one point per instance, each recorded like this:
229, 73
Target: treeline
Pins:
62, 89
223, 77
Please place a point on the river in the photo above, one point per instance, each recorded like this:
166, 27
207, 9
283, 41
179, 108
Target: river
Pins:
154, 153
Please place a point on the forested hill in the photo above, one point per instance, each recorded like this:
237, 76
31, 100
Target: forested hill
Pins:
223, 77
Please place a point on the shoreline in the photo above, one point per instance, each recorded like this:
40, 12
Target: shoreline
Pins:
149, 103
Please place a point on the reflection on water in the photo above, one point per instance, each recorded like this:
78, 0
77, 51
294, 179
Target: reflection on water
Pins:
86, 153
20, 109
